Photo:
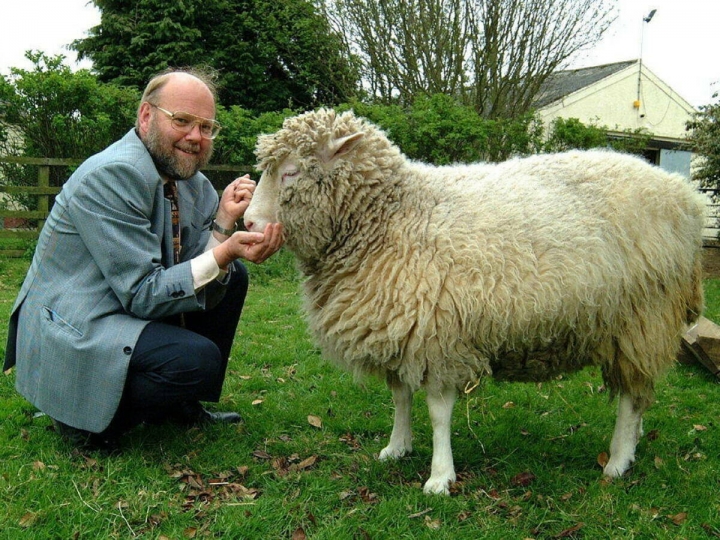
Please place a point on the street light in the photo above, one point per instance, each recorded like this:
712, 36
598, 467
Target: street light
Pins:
642, 38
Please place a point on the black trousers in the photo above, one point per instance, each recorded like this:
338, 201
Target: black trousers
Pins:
173, 365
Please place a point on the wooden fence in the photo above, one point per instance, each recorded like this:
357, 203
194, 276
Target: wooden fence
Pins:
45, 193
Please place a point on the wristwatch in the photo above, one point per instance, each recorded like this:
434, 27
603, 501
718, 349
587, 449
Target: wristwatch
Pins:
225, 232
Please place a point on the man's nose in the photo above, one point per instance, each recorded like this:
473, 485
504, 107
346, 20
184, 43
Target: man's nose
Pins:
194, 134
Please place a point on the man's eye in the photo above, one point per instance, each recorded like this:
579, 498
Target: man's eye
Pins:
181, 120
206, 128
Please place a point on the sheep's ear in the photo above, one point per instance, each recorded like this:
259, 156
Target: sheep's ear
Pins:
338, 147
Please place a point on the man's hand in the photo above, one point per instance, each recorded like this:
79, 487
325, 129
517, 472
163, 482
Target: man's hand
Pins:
251, 246
234, 201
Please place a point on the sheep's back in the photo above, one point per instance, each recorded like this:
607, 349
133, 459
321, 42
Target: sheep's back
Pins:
538, 259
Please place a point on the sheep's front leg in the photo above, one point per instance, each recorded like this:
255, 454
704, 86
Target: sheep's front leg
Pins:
440, 405
628, 430
401, 436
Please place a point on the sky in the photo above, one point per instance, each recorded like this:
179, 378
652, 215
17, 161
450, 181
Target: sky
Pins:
678, 45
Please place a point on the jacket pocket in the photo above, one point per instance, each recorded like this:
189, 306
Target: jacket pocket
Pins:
60, 323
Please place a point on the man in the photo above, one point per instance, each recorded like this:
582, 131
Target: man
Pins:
129, 308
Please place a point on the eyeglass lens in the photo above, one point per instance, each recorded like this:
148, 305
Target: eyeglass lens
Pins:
185, 122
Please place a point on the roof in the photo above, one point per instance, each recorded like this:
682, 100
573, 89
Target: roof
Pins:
563, 83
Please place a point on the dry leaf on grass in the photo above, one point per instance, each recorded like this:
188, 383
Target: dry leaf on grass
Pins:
314, 421
523, 479
27, 520
570, 531
679, 519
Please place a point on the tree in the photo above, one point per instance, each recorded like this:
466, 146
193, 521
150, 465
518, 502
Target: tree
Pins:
439, 130
492, 54
51, 111
60, 113
269, 54
705, 141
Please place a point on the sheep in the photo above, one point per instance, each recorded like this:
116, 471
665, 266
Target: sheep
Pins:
435, 277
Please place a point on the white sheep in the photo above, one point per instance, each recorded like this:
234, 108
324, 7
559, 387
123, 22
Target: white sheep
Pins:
436, 276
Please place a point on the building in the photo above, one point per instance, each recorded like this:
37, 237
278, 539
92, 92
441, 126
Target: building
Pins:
623, 96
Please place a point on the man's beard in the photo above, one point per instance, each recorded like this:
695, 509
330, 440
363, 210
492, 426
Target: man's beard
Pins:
168, 162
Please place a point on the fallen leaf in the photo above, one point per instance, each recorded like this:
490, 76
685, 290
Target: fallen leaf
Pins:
679, 519
257, 401
366, 495
190, 532
433, 524
603, 459
569, 532
38, 465
652, 435
350, 440
508, 405
464, 515
299, 534
523, 479
698, 427
658, 462
305, 463
314, 421
27, 520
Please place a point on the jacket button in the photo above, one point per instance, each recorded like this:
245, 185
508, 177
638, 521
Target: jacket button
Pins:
127, 350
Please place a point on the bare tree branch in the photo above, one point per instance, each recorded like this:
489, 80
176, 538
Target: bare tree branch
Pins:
491, 54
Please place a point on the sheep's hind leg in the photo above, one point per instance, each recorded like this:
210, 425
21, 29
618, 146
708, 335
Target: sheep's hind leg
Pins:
628, 430
440, 405
401, 436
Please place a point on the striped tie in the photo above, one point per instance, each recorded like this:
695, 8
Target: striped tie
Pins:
171, 194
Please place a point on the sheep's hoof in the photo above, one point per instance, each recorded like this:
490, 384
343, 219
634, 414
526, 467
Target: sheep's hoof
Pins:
438, 486
392, 452
616, 468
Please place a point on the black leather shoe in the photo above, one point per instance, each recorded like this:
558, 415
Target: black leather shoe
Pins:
87, 440
221, 417
195, 414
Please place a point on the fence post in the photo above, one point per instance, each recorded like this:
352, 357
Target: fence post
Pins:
43, 200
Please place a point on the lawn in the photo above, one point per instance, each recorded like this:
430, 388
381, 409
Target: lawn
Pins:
303, 464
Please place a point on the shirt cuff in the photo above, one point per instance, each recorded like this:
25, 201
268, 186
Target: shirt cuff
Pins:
204, 267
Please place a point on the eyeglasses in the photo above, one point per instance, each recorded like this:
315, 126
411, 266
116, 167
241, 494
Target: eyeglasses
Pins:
185, 122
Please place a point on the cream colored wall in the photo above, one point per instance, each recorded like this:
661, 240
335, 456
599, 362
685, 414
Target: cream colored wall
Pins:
609, 103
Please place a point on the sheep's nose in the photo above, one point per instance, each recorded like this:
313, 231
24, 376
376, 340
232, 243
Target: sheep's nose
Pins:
249, 225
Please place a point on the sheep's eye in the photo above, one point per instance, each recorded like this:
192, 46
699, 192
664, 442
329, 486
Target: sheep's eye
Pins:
290, 174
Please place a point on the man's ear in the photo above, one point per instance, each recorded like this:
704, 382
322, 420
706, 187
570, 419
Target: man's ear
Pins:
340, 146
144, 117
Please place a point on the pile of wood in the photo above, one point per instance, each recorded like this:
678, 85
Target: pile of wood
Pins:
702, 344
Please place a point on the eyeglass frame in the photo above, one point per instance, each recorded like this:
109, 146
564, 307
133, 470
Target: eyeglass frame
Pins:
197, 121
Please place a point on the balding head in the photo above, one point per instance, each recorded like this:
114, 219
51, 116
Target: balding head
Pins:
195, 80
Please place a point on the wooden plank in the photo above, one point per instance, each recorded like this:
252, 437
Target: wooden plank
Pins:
24, 214
12, 253
30, 190
26, 234
702, 342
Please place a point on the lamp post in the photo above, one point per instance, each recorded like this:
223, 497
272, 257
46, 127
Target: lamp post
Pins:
642, 38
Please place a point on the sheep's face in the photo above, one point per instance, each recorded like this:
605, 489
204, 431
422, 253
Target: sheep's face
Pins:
265, 205
319, 173
298, 192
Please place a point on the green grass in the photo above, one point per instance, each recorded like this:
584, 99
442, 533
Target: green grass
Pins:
277, 474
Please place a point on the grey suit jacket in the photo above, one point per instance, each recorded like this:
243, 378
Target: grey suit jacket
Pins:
102, 270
